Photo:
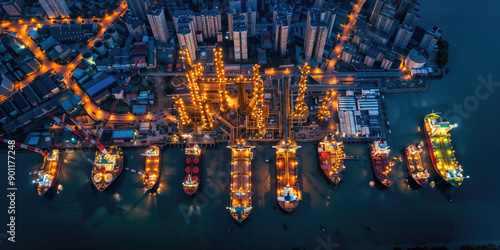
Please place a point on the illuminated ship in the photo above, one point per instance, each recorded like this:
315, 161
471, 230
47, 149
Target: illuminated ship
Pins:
379, 155
413, 157
288, 191
192, 170
331, 159
107, 167
441, 150
47, 176
152, 169
241, 182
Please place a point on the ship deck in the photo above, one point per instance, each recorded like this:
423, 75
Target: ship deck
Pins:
152, 168
442, 153
241, 186
107, 168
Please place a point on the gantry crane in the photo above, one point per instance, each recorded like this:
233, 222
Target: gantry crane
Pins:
300, 107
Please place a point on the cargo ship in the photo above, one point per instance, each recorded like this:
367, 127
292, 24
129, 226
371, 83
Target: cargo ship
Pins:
241, 182
152, 168
47, 176
107, 167
192, 169
288, 191
440, 148
382, 167
417, 171
331, 159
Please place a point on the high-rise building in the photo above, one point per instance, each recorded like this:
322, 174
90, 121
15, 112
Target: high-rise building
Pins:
55, 8
13, 7
138, 8
386, 18
158, 23
240, 34
317, 30
186, 16
186, 37
430, 39
251, 4
318, 3
403, 35
412, 17
403, 7
379, 4
284, 9
251, 21
135, 26
209, 22
234, 7
281, 33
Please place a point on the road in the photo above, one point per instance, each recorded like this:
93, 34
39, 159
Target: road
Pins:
340, 76
344, 36
65, 70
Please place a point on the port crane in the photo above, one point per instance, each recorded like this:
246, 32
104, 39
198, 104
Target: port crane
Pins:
116, 101
42, 152
88, 139
87, 135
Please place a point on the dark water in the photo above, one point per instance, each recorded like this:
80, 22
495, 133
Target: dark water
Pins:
402, 215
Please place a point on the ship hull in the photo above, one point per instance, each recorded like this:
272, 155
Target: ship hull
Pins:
421, 182
433, 158
41, 189
241, 184
326, 166
118, 168
288, 208
149, 184
378, 168
189, 165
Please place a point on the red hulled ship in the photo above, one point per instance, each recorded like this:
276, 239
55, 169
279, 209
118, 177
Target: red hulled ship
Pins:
379, 155
192, 169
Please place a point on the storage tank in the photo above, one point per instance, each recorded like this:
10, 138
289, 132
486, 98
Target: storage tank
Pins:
108, 39
416, 58
99, 46
88, 56
114, 33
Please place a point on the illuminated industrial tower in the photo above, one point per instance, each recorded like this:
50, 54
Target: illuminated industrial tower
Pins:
221, 78
195, 77
183, 116
260, 111
300, 108
324, 110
